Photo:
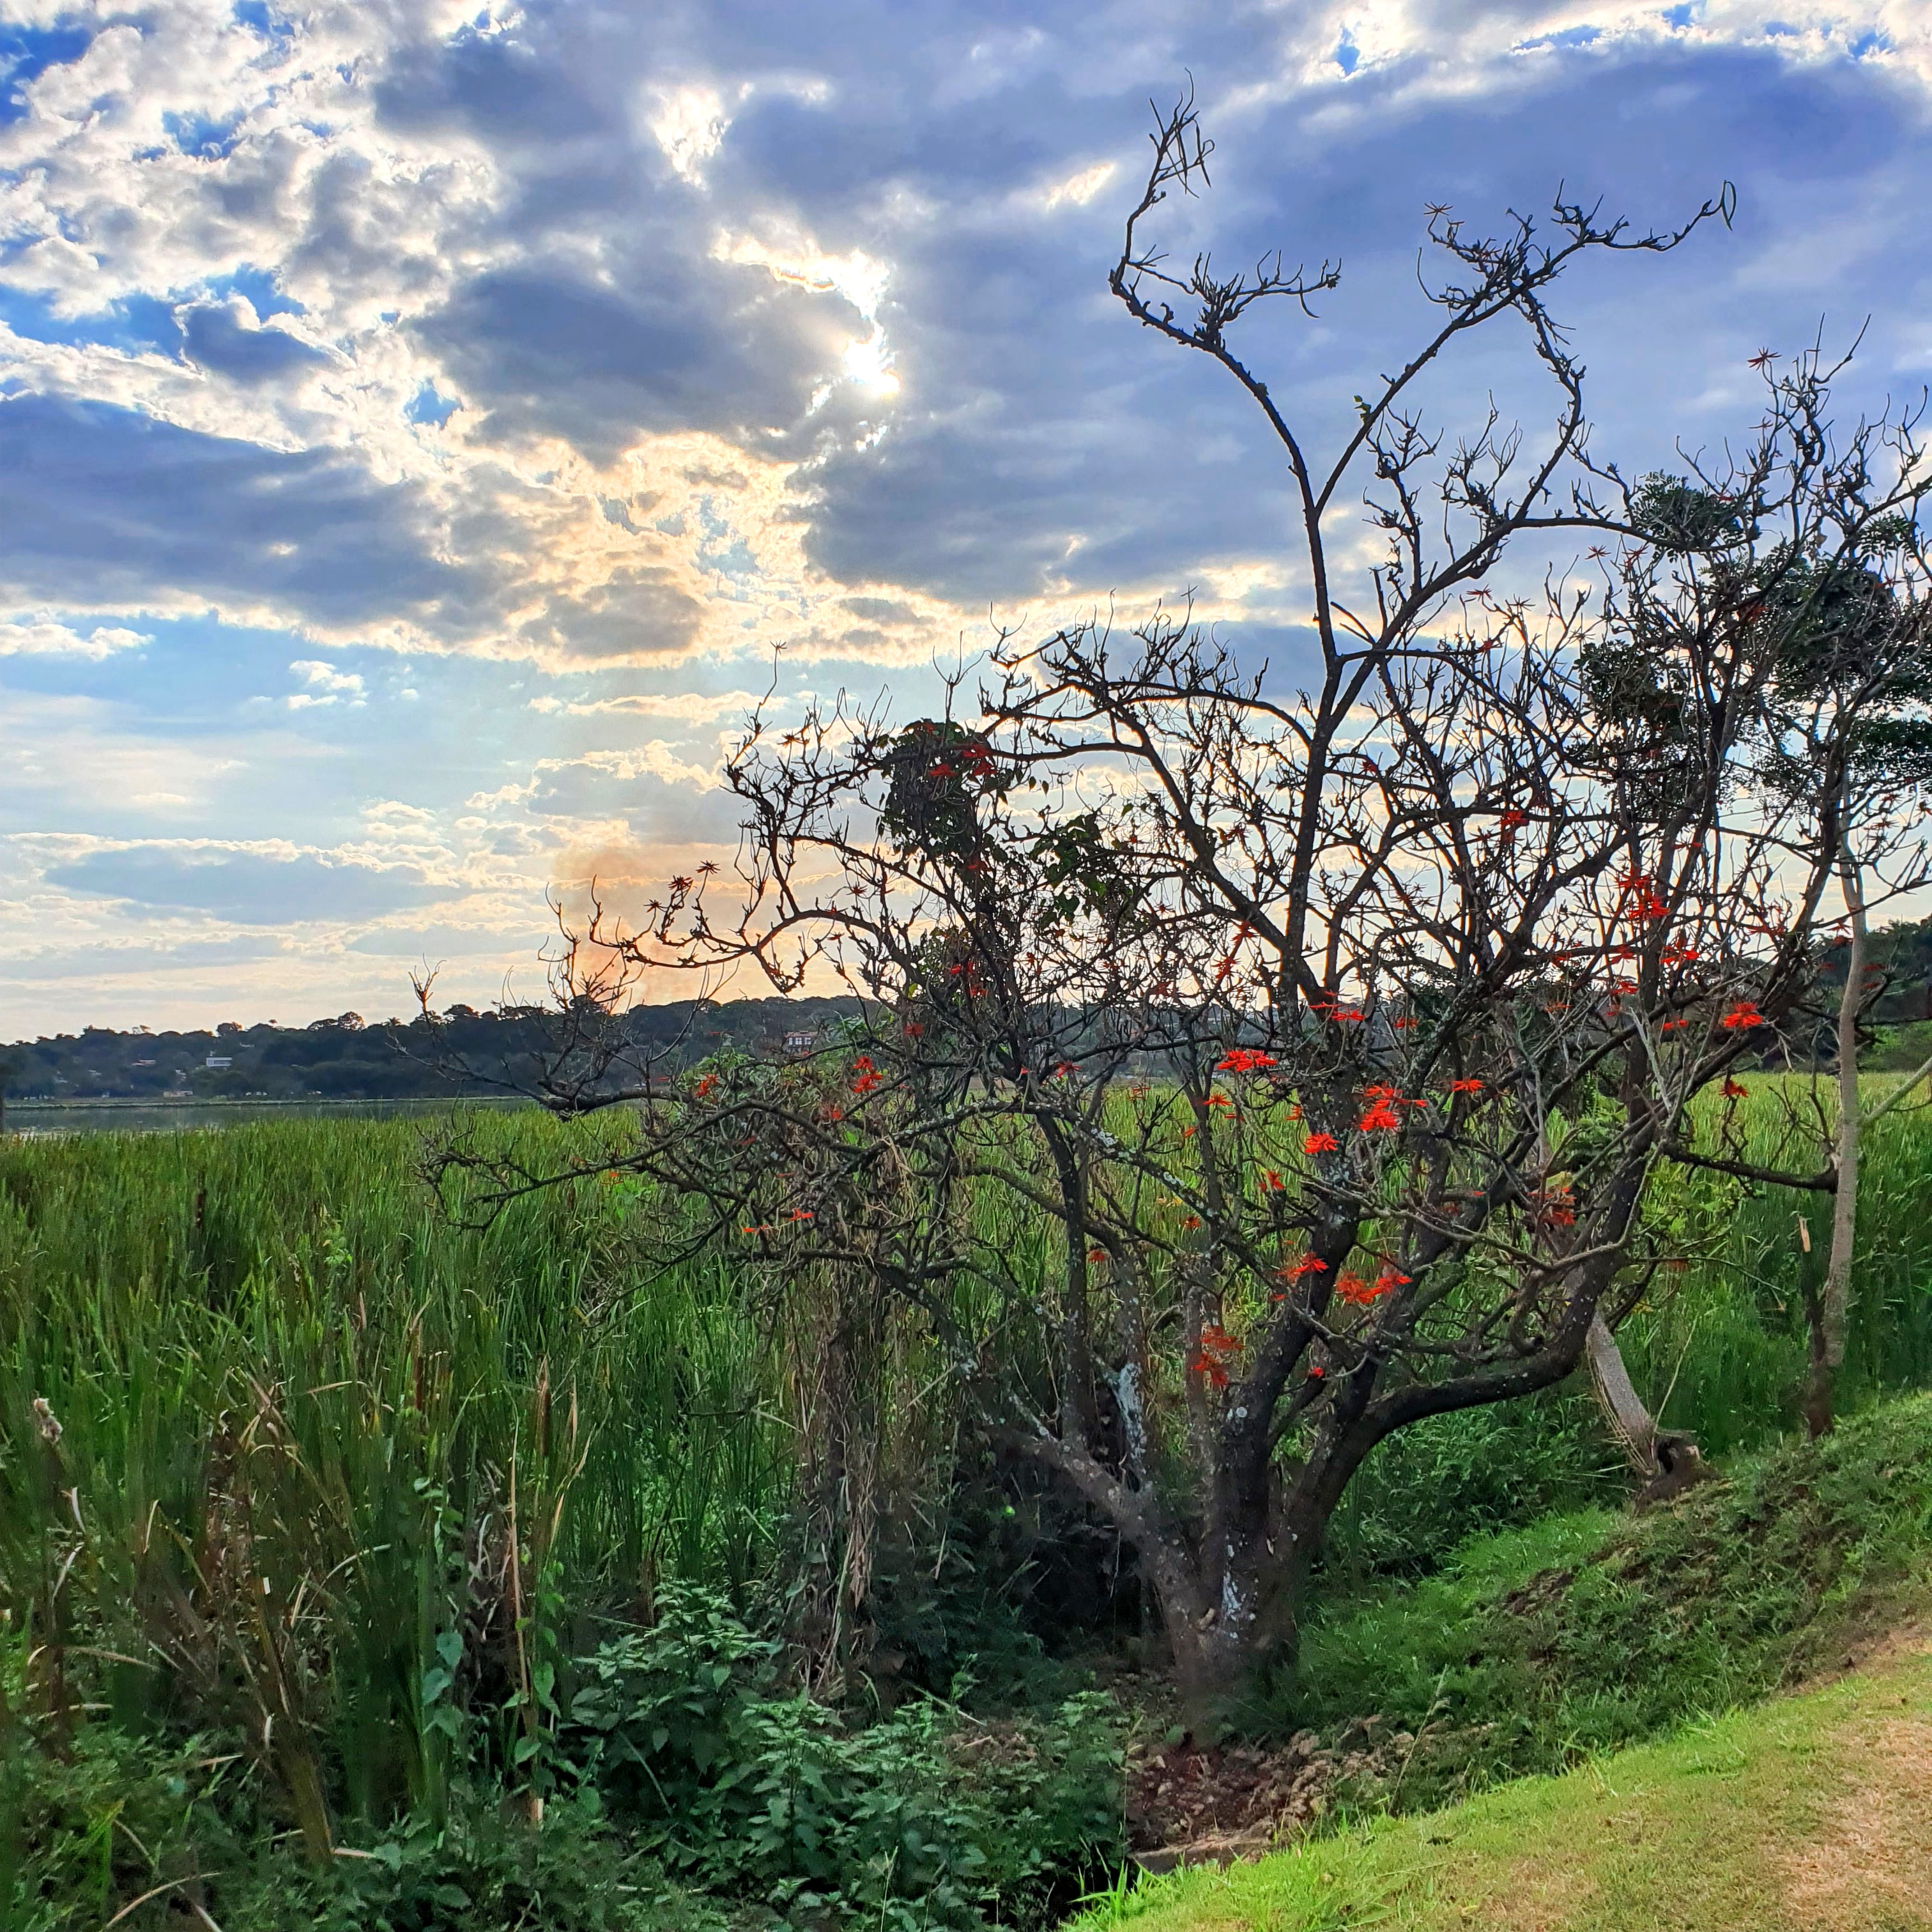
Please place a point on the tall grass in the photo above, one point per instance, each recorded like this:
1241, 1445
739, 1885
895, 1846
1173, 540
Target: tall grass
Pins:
314, 1444
281, 1448
1721, 1350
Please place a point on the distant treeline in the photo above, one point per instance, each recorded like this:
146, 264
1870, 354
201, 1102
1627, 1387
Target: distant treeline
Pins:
344, 1058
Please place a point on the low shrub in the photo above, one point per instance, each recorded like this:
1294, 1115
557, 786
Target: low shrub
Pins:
924, 1818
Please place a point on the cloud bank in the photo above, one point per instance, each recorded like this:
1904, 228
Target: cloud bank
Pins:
402, 406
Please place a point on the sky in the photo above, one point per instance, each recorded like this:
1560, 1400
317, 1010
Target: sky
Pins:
425, 432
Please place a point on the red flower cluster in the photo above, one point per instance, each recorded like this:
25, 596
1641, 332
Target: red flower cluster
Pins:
1218, 1349
1555, 1206
1465, 1086
866, 1078
1243, 1060
1273, 1182
1308, 1264
1734, 1090
1320, 1143
1380, 1118
1514, 818
703, 1090
1743, 1013
1352, 1288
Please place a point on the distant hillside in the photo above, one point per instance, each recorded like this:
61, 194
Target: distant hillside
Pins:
343, 1059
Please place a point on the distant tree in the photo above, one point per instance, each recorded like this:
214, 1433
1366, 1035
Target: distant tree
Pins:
1332, 1038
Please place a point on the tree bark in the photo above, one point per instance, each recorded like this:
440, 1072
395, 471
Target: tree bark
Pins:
1828, 1353
1630, 1422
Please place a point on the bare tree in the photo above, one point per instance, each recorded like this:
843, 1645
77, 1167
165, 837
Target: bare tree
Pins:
1247, 1074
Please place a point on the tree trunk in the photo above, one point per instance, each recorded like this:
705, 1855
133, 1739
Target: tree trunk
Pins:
1828, 1349
1220, 1638
1630, 1422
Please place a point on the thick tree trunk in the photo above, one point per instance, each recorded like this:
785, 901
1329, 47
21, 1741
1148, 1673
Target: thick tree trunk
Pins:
1222, 1634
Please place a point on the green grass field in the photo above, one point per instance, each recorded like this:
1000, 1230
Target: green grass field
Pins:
260, 1359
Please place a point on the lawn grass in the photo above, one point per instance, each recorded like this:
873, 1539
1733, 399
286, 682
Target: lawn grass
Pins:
1806, 1814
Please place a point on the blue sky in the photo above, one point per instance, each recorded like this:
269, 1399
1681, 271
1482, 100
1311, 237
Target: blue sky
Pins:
420, 428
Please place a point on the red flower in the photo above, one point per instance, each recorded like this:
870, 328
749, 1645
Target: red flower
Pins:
1514, 818
1743, 1013
1308, 1264
1219, 1100
702, 1090
1389, 1279
1320, 1143
1315, 1371
1734, 1090
1190, 1220
1217, 1348
1243, 1060
1353, 1288
1096, 1254
799, 1214
1380, 1118
1273, 1184
1465, 1086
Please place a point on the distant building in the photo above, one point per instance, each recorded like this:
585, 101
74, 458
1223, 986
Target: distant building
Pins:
800, 1043
215, 1062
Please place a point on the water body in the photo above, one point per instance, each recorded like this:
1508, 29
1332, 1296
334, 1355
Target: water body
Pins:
163, 1117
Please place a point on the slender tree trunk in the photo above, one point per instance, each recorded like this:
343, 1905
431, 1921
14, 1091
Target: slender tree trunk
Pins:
1630, 1422
1828, 1353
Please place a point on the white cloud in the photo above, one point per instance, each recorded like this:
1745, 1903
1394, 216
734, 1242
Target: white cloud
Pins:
1081, 187
43, 637
326, 685
690, 126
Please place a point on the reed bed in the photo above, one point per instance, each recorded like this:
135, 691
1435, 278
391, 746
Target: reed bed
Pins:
285, 1443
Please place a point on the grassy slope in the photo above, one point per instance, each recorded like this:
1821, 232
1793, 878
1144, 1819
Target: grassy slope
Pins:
1546, 1649
1581, 1634
1812, 1812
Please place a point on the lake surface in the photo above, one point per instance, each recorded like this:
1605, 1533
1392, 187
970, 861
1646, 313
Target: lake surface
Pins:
163, 1117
